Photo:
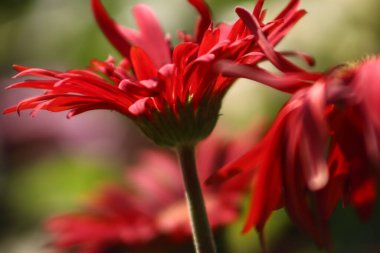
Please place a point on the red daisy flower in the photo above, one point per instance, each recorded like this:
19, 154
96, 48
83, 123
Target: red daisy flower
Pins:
322, 148
152, 209
173, 94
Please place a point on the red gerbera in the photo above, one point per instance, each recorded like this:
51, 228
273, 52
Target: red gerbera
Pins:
173, 94
322, 148
152, 207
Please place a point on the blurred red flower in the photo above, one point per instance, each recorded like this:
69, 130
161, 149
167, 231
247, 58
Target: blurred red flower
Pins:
173, 93
323, 148
151, 207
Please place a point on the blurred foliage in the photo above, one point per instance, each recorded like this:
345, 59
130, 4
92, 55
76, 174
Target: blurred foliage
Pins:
12, 8
50, 186
352, 235
246, 243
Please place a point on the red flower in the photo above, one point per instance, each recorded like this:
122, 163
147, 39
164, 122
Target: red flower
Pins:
323, 148
152, 207
173, 94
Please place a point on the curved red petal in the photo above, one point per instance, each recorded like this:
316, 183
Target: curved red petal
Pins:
287, 83
150, 37
274, 57
110, 28
290, 8
308, 59
329, 196
315, 137
143, 66
258, 8
205, 18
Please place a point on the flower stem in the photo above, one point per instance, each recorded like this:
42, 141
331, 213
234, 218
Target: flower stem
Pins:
202, 236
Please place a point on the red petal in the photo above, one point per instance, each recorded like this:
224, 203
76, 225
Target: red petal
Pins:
330, 195
308, 59
279, 32
110, 29
349, 133
234, 168
139, 106
267, 194
205, 18
364, 196
37, 84
210, 39
150, 37
366, 87
258, 8
25, 71
89, 107
315, 137
277, 59
287, 83
297, 206
290, 8
143, 66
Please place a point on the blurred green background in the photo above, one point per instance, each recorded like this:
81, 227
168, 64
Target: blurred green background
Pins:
49, 164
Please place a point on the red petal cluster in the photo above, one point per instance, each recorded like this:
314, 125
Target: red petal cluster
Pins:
323, 148
155, 80
152, 207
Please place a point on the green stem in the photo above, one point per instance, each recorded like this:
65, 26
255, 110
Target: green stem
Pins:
202, 236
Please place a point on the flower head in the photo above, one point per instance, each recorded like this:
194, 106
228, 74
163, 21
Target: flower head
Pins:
173, 93
151, 208
323, 148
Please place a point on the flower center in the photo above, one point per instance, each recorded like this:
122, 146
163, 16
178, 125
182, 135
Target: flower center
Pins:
183, 124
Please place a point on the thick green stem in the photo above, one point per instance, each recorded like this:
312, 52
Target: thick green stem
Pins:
202, 236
